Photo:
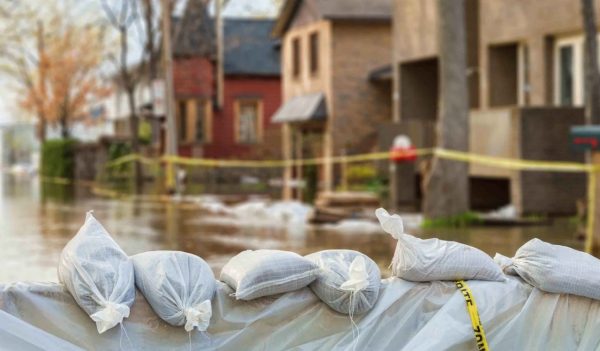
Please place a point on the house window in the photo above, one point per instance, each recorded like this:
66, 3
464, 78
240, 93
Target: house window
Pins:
568, 72
182, 113
296, 57
314, 53
503, 74
203, 122
248, 121
565, 76
194, 121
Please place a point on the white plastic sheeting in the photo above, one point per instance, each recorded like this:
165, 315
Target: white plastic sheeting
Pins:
407, 316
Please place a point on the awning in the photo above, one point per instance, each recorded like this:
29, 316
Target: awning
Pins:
381, 74
302, 108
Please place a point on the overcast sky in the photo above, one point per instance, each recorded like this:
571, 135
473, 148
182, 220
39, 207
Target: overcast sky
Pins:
9, 111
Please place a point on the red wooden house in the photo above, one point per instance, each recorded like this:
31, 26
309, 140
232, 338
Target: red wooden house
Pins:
251, 89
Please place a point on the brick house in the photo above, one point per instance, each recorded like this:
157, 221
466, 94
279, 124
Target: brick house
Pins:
525, 70
335, 90
252, 87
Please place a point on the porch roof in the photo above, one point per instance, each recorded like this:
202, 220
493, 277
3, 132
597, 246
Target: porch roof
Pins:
303, 108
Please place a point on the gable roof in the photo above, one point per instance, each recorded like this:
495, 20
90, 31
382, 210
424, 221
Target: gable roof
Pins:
249, 47
358, 10
194, 33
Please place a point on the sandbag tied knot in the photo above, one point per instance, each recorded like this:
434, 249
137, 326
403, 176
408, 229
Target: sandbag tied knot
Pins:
198, 316
358, 276
505, 263
392, 224
109, 316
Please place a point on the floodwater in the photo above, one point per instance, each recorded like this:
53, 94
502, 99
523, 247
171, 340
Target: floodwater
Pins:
35, 228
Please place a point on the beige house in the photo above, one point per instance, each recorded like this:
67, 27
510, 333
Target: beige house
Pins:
336, 88
526, 85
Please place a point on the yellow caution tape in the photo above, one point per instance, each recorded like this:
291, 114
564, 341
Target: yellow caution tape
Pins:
515, 164
492, 161
480, 339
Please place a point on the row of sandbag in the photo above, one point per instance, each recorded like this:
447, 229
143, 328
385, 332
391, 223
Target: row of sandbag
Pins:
179, 286
551, 268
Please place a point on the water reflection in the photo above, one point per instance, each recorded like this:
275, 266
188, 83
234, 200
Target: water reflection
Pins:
35, 225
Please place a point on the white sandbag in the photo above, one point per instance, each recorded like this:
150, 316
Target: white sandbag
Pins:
178, 286
349, 281
554, 268
433, 259
98, 274
253, 274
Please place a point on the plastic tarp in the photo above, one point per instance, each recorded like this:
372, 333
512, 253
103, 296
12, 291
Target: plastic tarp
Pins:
407, 316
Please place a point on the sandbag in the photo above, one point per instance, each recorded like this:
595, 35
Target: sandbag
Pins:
258, 273
178, 286
433, 259
98, 274
348, 282
554, 268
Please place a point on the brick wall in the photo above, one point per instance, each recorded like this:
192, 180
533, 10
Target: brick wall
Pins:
358, 104
223, 145
543, 134
193, 77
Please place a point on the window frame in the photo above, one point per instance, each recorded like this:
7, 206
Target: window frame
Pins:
296, 57
313, 53
191, 119
576, 43
182, 126
259, 120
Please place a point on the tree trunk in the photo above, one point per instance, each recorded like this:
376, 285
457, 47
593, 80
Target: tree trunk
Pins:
41, 128
592, 100
150, 40
135, 148
64, 126
447, 184
128, 83
592, 74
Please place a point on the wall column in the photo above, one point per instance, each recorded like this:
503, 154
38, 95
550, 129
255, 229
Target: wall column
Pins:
287, 157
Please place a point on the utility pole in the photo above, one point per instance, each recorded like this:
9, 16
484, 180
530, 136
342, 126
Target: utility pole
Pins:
220, 52
171, 144
42, 82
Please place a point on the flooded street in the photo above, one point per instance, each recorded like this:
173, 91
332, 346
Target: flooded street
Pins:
34, 230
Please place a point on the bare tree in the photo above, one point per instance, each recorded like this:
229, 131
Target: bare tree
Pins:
123, 20
55, 61
447, 184
18, 60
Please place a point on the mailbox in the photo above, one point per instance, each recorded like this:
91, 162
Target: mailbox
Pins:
402, 150
584, 138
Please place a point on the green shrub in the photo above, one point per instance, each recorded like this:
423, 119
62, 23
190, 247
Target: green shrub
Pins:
145, 132
458, 221
360, 174
58, 158
116, 150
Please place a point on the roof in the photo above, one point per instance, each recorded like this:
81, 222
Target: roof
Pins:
371, 10
250, 48
195, 31
302, 108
